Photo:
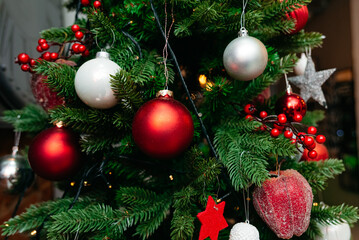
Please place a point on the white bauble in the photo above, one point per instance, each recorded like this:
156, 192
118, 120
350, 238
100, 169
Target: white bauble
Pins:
335, 232
244, 231
299, 67
92, 81
245, 58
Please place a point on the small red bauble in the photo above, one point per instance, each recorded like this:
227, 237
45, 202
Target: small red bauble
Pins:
263, 114
312, 130
288, 134
39, 49
312, 154
97, 4
297, 117
320, 149
282, 118
46, 56
23, 58
249, 109
291, 104
75, 48
25, 67
308, 141
32, 62
44, 46
320, 139
82, 48
301, 17
55, 154
54, 56
41, 41
275, 132
285, 203
163, 127
75, 28
79, 35
85, 2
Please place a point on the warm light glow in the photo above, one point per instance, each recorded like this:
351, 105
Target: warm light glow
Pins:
85, 183
218, 200
33, 233
6, 225
109, 173
202, 80
209, 86
59, 124
315, 204
110, 186
171, 177
72, 184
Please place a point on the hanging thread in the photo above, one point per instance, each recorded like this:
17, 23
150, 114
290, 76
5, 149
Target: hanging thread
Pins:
167, 36
243, 17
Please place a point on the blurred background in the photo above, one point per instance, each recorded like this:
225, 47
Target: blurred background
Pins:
22, 20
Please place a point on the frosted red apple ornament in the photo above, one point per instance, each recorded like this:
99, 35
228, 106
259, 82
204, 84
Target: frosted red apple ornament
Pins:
284, 203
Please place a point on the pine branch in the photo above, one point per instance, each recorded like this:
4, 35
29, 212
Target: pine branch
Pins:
31, 118
317, 173
182, 225
325, 214
312, 118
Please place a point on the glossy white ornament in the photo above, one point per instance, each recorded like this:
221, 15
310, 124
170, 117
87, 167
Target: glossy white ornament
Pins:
244, 231
245, 58
92, 81
299, 67
335, 232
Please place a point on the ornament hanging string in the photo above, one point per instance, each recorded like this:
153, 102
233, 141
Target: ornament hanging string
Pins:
246, 200
113, 41
167, 36
243, 17
198, 115
287, 85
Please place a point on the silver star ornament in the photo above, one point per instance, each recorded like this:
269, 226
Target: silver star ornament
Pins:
310, 83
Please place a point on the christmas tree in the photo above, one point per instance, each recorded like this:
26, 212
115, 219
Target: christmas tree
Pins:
136, 162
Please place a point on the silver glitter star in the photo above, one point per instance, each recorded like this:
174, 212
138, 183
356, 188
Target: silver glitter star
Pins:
310, 83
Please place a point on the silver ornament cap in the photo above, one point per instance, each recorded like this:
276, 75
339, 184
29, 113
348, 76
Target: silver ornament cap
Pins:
93, 81
245, 58
244, 231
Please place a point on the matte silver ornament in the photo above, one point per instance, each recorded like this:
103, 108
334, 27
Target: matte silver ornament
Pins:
244, 231
245, 58
93, 81
311, 82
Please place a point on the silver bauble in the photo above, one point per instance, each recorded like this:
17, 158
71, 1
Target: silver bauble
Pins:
244, 231
245, 58
15, 173
93, 81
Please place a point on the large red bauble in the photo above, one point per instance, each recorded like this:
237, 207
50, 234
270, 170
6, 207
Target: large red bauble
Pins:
284, 203
55, 154
291, 104
163, 127
321, 150
301, 17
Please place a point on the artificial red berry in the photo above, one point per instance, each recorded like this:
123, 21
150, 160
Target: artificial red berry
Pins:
54, 56
263, 114
312, 130
288, 134
249, 117
312, 154
32, 62
263, 127
320, 138
75, 28
308, 141
249, 109
278, 126
46, 56
85, 53
79, 35
297, 117
275, 132
301, 135
45, 46
311, 147
293, 141
85, 2
23, 58
97, 4
282, 118
75, 48
41, 41
82, 48
25, 67
39, 49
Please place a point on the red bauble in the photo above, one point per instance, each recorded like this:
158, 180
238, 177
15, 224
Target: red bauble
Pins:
301, 17
23, 58
322, 153
97, 4
55, 154
163, 127
284, 203
291, 104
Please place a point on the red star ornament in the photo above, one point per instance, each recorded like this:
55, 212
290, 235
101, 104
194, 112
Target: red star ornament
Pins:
212, 220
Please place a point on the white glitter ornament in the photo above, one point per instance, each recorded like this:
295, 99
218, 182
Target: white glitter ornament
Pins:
92, 81
244, 231
299, 67
335, 232
245, 58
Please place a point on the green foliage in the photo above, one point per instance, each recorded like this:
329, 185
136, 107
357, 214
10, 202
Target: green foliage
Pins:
312, 118
31, 118
318, 172
325, 214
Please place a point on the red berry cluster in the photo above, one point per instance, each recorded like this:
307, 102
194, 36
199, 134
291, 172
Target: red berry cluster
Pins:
280, 123
96, 4
48, 56
79, 47
25, 61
